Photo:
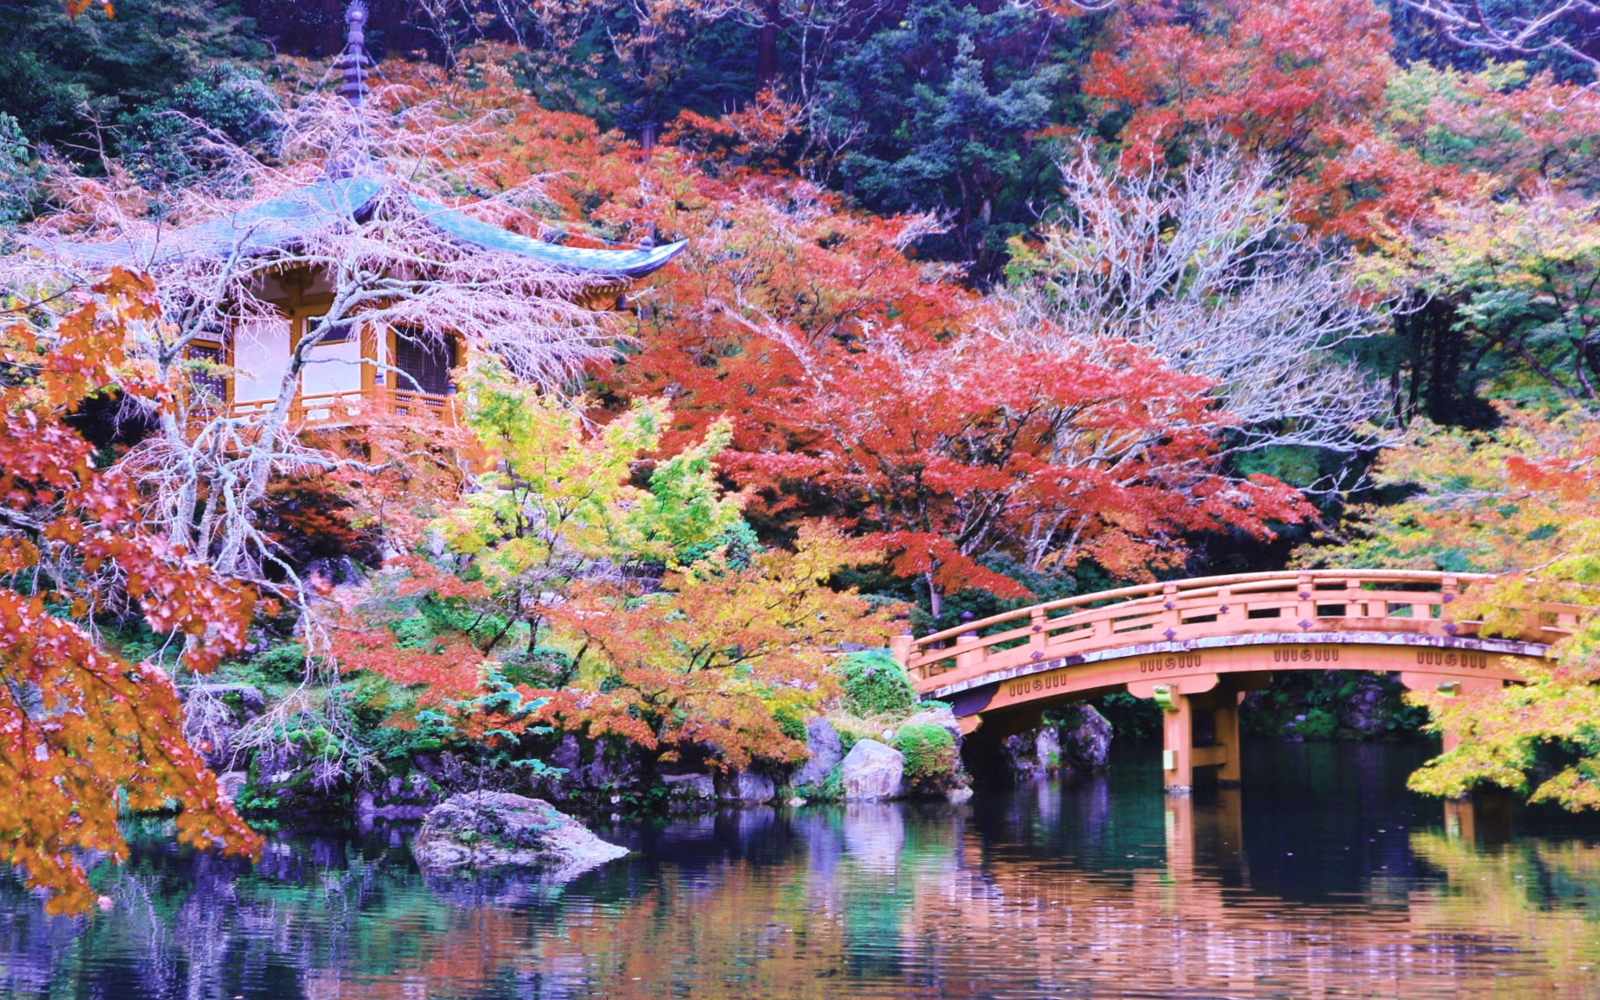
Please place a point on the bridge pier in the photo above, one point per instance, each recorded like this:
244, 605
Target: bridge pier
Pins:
1210, 698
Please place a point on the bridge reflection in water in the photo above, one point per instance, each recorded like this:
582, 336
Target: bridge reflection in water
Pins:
1321, 878
1198, 646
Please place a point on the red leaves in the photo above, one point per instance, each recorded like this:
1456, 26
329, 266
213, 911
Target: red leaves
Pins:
1300, 81
78, 726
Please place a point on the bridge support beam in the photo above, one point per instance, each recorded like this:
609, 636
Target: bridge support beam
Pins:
1212, 699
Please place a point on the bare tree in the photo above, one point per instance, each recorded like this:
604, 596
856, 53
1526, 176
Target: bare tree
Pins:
1208, 271
1519, 30
353, 206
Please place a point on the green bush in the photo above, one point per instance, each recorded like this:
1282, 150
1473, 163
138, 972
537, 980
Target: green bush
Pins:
169, 142
876, 684
540, 667
1317, 726
791, 724
284, 664
1131, 718
830, 789
930, 756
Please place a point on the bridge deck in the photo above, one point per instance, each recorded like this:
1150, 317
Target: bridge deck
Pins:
1174, 617
1197, 646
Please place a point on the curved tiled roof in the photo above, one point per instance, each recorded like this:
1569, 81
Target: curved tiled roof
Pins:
280, 222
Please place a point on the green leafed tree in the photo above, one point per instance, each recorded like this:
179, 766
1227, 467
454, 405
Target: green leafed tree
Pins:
563, 503
56, 72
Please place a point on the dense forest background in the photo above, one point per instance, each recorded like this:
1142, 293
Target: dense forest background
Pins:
982, 304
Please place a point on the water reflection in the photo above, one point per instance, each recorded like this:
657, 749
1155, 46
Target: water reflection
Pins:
1321, 878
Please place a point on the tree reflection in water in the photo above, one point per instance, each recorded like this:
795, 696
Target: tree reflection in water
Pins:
1342, 885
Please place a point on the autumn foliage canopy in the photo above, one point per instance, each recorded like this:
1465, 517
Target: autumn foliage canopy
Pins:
82, 732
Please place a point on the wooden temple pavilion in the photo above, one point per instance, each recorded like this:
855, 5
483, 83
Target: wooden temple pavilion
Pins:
352, 366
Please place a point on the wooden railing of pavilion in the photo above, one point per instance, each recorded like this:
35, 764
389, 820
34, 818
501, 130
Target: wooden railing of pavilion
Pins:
1301, 602
333, 409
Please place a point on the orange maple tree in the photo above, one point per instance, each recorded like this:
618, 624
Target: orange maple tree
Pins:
862, 383
80, 728
867, 386
721, 654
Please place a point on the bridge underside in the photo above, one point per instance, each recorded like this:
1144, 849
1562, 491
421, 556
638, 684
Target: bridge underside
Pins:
1213, 675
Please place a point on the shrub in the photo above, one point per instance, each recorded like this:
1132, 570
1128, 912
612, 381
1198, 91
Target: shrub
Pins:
283, 664
1317, 726
876, 684
1131, 718
830, 789
930, 756
791, 724
540, 667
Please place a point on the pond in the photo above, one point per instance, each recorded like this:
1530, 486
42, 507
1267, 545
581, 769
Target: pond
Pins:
1323, 877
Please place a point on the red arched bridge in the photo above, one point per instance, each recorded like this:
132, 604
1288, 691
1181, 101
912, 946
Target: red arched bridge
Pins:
1198, 645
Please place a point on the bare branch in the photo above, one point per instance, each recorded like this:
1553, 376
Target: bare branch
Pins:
1521, 30
1209, 272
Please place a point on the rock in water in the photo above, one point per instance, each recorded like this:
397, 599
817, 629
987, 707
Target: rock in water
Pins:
1047, 750
826, 752
690, 791
484, 831
873, 771
741, 788
1365, 710
1088, 742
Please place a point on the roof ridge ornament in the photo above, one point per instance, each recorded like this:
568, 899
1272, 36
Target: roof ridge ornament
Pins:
353, 61
354, 159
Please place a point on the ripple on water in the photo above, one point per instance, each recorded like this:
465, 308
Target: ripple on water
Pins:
1323, 878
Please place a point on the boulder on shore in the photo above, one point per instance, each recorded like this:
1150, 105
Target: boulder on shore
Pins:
484, 831
942, 717
826, 752
872, 770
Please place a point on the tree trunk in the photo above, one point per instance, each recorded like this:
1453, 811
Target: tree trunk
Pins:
767, 50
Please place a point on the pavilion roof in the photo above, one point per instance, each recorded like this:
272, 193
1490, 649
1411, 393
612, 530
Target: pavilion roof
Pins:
281, 222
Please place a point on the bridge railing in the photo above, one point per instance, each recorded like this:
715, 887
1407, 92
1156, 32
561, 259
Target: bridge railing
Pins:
1394, 601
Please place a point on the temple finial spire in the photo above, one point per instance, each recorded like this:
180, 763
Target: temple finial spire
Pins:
353, 61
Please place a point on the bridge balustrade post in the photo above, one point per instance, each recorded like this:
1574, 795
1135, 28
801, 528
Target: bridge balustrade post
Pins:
1352, 600
1038, 639
972, 657
901, 647
1306, 608
1171, 618
1449, 590
1227, 609
1532, 624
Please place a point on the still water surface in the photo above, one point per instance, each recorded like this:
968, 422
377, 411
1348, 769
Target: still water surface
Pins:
1322, 878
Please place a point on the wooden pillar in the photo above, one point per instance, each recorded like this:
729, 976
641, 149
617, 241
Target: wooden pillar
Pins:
1225, 722
974, 657
901, 647
1177, 742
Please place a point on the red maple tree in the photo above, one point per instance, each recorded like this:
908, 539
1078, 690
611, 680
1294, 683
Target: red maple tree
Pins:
79, 726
